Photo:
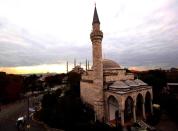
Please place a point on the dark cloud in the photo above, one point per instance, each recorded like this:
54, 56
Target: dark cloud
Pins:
154, 43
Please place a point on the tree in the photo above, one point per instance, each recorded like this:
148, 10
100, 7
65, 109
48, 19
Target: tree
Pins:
74, 82
157, 79
10, 87
31, 83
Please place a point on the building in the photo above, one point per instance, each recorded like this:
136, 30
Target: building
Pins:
113, 93
78, 69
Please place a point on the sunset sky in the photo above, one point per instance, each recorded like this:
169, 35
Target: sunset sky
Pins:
39, 36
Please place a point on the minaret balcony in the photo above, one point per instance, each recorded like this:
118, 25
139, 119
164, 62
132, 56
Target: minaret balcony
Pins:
95, 35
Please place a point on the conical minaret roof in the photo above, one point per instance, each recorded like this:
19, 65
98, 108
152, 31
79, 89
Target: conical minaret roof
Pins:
95, 17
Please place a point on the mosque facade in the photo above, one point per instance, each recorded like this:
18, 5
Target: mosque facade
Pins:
110, 90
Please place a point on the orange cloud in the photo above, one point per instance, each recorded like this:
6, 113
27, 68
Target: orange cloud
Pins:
51, 68
138, 68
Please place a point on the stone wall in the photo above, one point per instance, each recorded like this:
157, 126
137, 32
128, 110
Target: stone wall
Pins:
87, 92
88, 75
93, 95
119, 77
129, 77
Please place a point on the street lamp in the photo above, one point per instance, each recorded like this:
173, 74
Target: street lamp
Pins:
28, 120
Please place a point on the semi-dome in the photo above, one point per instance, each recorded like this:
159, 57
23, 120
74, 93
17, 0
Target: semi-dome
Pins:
110, 64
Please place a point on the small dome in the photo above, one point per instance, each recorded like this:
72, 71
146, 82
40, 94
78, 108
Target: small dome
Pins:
119, 84
131, 83
140, 82
107, 64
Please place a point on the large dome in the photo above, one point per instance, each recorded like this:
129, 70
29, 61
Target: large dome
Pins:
110, 64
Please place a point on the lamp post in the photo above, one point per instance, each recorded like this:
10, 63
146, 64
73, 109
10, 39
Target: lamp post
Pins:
28, 123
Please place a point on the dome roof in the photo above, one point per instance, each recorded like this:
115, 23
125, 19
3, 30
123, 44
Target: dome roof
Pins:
131, 83
107, 64
140, 82
119, 84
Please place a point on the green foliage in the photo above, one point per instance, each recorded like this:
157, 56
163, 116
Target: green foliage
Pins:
74, 82
31, 83
60, 112
170, 104
157, 79
172, 76
10, 87
51, 81
68, 112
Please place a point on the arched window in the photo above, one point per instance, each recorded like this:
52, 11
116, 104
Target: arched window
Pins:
147, 102
139, 102
128, 108
113, 108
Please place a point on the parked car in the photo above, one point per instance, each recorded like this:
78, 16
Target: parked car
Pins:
20, 123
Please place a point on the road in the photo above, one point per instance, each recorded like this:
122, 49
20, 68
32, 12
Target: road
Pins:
9, 115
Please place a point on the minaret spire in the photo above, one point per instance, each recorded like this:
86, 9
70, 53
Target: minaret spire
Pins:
95, 17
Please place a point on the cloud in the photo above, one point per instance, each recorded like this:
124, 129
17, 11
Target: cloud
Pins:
138, 33
19, 48
150, 43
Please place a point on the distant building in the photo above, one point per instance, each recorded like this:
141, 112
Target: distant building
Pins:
114, 94
78, 69
173, 69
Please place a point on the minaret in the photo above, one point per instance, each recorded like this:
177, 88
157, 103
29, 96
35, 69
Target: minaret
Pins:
88, 65
67, 66
96, 38
74, 63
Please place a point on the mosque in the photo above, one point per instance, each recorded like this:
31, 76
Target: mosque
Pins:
110, 90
